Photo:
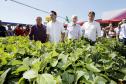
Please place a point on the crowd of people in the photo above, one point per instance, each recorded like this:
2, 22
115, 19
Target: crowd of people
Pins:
18, 31
118, 32
55, 31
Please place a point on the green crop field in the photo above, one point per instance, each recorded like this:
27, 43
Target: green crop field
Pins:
73, 62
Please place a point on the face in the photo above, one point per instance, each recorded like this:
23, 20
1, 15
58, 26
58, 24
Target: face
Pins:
38, 20
91, 17
53, 16
75, 19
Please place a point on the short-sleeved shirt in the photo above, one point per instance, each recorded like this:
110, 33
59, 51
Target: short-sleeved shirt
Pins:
54, 30
74, 31
92, 30
119, 32
123, 30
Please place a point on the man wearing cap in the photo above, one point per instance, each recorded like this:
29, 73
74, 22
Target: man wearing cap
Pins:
92, 28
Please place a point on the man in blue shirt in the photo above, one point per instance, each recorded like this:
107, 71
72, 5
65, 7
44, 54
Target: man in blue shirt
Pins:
38, 31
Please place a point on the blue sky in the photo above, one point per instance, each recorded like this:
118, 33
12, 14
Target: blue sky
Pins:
13, 12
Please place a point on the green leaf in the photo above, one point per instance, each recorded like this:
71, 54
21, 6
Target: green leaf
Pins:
30, 74
123, 70
113, 55
3, 61
92, 68
100, 80
80, 74
45, 79
36, 66
1, 72
21, 81
16, 62
21, 51
54, 62
58, 80
21, 69
112, 82
67, 78
3, 76
54, 53
124, 77
38, 45
27, 61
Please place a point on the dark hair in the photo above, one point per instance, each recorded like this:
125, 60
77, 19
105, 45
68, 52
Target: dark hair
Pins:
54, 13
91, 12
20, 25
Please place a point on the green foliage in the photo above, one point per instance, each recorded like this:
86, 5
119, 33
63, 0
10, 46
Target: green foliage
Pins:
71, 62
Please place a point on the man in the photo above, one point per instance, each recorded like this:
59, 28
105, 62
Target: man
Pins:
74, 29
10, 32
55, 29
38, 31
119, 35
92, 28
2, 30
123, 30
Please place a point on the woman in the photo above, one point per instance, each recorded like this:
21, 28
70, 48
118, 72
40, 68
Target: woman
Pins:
19, 30
27, 30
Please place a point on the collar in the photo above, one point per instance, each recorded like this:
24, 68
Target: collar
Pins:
39, 26
90, 22
53, 22
72, 24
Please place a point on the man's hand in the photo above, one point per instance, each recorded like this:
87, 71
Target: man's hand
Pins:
62, 37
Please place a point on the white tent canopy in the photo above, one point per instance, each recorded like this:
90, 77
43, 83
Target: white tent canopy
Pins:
109, 15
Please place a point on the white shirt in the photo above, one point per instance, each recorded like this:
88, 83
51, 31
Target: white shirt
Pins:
102, 33
119, 32
92, 30
74, 31
123, 30
54, 29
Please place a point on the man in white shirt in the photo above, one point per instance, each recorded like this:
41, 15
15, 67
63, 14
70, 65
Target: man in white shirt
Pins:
74, 29
119, 35
123, 29
55, 29
92, 28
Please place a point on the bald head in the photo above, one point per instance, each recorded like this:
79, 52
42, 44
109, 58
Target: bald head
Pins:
39, 20
74, 19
